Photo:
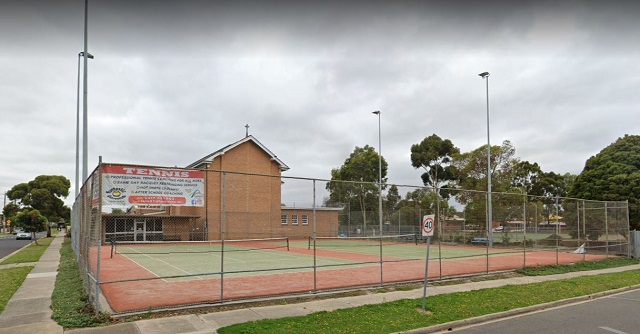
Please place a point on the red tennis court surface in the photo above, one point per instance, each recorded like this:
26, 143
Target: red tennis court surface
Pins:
153, 293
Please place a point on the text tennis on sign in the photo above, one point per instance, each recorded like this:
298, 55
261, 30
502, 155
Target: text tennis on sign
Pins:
126, 185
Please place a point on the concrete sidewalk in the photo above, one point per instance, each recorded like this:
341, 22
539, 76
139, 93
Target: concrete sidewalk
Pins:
29, 309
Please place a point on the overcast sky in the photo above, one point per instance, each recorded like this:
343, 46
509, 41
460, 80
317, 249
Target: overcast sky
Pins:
173, 81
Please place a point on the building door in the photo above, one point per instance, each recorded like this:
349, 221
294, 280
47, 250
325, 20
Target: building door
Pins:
140, 232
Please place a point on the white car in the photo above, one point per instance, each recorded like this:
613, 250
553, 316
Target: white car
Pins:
23, 235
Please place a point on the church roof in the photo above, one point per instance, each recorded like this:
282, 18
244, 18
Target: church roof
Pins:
209, 158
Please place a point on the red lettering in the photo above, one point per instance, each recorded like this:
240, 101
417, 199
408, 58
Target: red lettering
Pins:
154, 172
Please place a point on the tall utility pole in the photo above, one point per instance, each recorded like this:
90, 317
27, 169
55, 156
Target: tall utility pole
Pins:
84, 96
485, 75
77, 181
378, 112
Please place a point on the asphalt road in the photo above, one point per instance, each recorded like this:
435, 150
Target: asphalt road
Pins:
9, 244
617, 314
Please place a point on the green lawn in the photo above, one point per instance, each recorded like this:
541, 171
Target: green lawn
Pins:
31, 253
11, 279
611, 262
405, 315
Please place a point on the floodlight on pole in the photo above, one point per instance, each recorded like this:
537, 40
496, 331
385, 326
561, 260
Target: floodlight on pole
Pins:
77, 182
485, 76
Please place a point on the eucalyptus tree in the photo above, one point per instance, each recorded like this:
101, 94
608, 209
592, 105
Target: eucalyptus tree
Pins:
435, 156
356, 181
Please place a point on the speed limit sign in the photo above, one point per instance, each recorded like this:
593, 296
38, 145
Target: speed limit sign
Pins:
428, 225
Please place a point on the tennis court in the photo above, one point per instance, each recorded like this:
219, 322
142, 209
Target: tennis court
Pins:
142, 276
202, 260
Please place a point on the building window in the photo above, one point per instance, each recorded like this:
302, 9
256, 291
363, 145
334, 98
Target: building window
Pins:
283, 220
305, 220
294, 219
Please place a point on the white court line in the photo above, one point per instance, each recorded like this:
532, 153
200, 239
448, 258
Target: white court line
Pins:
136, 262
613, 330
167, 263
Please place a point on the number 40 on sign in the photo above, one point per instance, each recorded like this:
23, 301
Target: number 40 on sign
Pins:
428, 225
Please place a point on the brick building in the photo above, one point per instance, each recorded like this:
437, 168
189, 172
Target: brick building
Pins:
243, 192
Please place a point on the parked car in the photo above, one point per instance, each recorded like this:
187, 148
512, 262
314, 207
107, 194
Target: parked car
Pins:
23, 235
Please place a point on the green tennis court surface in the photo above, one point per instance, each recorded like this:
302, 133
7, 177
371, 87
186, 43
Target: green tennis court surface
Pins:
206, 260
194, 264
404, 247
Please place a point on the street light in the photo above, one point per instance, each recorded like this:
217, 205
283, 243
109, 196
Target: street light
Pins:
85, 135
485, 75
378, 112
90, 56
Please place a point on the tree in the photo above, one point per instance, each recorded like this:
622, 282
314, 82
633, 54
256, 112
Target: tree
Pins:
44, 194
392, 200
10, 211
32, 221
355, 182
422, 201
526, 176
434, 155
613, 175
471, 169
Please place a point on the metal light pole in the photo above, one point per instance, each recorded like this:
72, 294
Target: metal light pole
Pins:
378, 112
485, 75
90, 56
85, 135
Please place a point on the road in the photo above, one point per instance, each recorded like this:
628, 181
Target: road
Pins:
9, 244
617, 314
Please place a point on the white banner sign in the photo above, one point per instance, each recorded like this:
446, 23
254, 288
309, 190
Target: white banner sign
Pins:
129, 185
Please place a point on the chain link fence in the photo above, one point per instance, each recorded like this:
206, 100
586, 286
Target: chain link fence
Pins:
242, 236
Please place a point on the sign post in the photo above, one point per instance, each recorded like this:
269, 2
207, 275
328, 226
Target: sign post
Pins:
428, 226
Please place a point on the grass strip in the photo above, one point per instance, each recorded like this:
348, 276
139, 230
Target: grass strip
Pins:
405, 314
69, 301
611, 262
11, 280
31, 253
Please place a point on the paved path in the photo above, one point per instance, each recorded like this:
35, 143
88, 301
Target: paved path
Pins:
29, 309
